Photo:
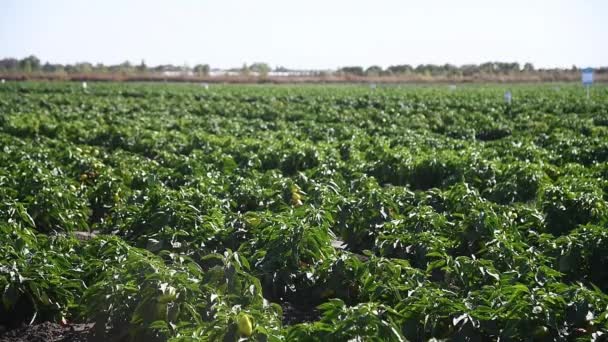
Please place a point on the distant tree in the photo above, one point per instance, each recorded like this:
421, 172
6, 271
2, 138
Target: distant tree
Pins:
450, 70
505, 68
25, 67
514, 67
48, 67
400, 69
70, 69
112, 68
244, 70
9, 64
29, 64
201, 69
142, 68
59, 68
125, 67
158, 68
528, 67
469, 69
487, 67
261, 68
99, 67
352, 70
428, 69
374, 70
84, 67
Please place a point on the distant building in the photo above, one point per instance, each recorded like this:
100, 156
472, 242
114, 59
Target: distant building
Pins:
298, 73
274, 73
221, 72
172, 73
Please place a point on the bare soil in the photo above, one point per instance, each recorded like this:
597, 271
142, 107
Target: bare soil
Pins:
48, 332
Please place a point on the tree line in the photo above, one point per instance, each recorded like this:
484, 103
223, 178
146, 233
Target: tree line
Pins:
33, 65
490, 68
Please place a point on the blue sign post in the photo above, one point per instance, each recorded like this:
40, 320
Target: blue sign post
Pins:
587, 78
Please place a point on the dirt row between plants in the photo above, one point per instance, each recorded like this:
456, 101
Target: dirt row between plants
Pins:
48, 332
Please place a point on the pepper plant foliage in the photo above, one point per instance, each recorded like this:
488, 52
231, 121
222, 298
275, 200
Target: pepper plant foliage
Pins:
390, 214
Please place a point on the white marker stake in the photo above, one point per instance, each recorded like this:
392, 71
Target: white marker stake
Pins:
3, 81
508, 97
587, 79
84, 85
205, 86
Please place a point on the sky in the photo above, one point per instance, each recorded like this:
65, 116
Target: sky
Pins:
312, 34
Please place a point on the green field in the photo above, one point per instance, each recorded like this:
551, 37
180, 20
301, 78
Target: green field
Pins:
307, 213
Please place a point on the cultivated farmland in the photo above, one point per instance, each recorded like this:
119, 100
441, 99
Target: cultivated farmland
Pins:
305, 213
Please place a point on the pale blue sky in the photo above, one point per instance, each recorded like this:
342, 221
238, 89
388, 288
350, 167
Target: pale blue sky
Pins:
308, 34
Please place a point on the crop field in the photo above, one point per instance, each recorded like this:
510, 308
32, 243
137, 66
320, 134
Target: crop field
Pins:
156, 212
